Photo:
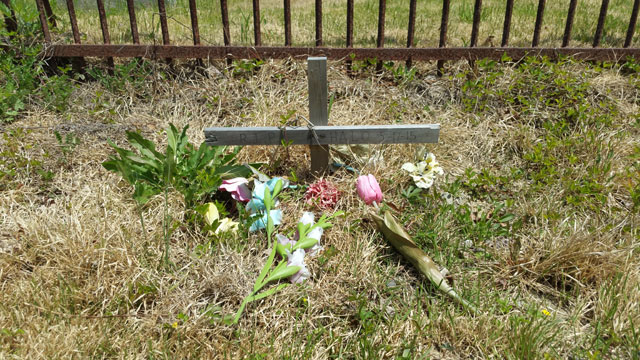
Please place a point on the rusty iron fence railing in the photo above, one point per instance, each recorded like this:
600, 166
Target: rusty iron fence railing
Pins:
409, 53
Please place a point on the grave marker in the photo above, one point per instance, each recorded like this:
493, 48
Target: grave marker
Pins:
318, 135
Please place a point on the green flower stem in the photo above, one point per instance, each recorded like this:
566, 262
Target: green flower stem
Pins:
144, 230
266, 274
165, 227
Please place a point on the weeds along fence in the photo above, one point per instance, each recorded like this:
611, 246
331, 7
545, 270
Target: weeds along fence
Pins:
471, 51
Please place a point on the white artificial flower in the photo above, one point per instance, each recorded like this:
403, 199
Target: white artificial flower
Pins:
297, 259
226, 225
308, 218
424, 172
433, 164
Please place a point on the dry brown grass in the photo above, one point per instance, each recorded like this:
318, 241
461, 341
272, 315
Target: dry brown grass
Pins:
80, 278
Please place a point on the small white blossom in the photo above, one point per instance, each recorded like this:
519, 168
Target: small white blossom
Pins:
424, 172
297, 259
308, 218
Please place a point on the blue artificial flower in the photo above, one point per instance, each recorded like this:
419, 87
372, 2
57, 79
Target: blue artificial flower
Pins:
260, 222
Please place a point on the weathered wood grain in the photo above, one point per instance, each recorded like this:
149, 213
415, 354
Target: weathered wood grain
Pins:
324, 135
318, 111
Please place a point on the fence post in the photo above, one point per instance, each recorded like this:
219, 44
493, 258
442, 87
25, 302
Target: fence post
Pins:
133, 22
78, 62
477, 12
569, 25
600, 28
226, 33
382, 9
506, 29
538, 26
632, 24
105, 32
318, 22
287, 22
411, 30
195, 30
349, 31
43, 22
444, 25
49, 12
257, 35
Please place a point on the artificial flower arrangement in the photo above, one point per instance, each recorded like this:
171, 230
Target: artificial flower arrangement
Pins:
261, 203
287, 256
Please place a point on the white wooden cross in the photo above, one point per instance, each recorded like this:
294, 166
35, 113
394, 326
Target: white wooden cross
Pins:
320, 135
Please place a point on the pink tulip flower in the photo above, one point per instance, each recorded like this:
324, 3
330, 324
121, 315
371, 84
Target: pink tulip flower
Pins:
368, 189
238, 188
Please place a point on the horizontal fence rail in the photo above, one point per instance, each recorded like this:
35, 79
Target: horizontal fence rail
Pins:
283, 52
410, 53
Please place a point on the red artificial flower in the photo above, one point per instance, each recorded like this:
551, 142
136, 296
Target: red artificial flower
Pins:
322, 193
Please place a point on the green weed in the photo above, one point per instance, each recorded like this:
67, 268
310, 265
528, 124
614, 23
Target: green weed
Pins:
16, 164
23, 75
532, 335
245, 68
127, 78
194, 172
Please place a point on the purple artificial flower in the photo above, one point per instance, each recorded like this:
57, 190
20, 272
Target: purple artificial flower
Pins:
238, 188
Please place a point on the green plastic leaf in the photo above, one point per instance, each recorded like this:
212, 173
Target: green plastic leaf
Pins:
303, 229
282, 249
401, 241
236, 318
266, 293
268, 200
265, 269
282, 273
304, 243
277, 188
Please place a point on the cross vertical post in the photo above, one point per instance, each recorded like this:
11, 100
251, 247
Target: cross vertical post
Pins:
318, 112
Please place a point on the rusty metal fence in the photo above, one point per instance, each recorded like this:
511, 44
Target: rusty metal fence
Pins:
349, 52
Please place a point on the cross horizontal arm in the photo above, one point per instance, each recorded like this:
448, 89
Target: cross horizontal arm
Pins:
323, 135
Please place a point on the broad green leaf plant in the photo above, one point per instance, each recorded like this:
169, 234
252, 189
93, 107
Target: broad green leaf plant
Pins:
194, 172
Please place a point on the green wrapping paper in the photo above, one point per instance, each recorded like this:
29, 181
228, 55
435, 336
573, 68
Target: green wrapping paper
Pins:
401, 241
